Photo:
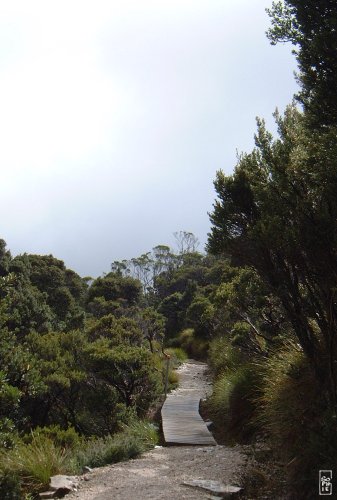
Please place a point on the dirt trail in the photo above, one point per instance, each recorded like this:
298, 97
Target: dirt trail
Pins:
159, 473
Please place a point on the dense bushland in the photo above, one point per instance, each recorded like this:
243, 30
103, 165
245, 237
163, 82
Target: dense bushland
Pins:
83, 361
80, 367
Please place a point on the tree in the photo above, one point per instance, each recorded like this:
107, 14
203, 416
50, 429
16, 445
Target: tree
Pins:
278, 214
5, 258
186, 242
312, 27
130, 370
152, 324
26, 306
59, 288
118, 331
113, 287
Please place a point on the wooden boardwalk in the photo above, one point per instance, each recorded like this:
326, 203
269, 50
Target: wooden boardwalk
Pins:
181, 421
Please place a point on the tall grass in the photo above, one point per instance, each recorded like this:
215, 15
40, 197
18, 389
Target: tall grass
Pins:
133, 440
29, 466
35, 462
177, 354
231, 404
302, 428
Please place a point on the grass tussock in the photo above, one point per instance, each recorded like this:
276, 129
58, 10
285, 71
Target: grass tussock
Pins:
133, 440
177, 354
30, 464
173, 378
301, 427
289, 390
35, 463
231, 405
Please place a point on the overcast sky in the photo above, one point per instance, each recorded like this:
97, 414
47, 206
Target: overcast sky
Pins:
116, 114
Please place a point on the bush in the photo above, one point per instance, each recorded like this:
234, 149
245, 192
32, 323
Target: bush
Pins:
10, 486
8, 434
222, 356
29, 466
173, 378
195, 348
62, 438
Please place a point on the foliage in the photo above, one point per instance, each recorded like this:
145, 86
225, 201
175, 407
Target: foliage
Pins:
130, 370
311, 27
47, 292
223, 356
114, 287
231, 404
293, 247
196, 348
35, 463
293, 412
152, 325
50, 451
173, 378
10, 486
134, 439
177, 355
62, 438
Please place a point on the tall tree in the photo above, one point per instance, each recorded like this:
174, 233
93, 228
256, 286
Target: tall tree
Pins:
311, 26
278, 214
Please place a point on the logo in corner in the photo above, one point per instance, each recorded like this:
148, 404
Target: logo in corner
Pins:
325, 482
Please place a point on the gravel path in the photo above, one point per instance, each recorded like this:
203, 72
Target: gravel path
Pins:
159, 473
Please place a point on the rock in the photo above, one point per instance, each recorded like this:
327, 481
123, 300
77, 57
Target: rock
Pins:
210, 425
62, 485
219, 489
47, 494
86, 469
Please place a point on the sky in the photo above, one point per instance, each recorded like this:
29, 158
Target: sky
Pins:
116, 114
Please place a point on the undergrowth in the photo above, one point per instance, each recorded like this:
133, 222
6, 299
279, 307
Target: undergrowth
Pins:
30, 464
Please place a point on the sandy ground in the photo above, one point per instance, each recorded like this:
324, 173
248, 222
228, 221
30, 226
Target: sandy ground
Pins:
160, 473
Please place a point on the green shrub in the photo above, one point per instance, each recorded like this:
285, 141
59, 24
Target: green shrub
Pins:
62, 438
8, 434
10, 486
195, 348
173, 378
287, 386
222, 356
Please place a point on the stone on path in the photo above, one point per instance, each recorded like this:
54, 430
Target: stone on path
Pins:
62, 485
215, 487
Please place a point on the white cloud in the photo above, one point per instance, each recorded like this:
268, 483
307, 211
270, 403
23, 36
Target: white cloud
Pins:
114, 116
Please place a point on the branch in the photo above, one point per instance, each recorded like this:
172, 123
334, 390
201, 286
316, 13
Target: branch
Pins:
256, 331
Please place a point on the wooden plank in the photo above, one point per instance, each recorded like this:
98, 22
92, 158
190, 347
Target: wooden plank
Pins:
181, 421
